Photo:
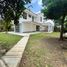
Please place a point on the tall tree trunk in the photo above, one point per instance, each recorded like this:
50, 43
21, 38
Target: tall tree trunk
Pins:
16, 21
62, 27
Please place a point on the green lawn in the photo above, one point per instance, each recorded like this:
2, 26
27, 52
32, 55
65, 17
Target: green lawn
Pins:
43, 50
7, 41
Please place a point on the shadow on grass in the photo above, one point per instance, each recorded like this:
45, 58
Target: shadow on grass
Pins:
54, 41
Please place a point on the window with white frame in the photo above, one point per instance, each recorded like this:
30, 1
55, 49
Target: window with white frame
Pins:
29, 15
32, 18
24, 15
41, 19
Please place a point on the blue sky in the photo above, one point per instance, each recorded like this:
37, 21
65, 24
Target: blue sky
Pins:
36, 6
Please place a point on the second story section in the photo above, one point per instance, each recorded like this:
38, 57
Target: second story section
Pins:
40, 18
29, 16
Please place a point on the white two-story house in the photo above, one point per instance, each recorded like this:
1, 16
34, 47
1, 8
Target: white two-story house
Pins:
30, 22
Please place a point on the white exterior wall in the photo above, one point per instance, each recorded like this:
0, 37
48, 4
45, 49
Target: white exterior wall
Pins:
50, 28
22, 20
38, 18
29, 19
42, 28
27, 27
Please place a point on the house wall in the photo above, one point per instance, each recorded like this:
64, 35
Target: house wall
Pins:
42, 28
36, 17
50, 28
39, 16
27, 27
29, 19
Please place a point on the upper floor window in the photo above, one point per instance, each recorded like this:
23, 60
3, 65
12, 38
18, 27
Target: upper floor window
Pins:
24, 15
41, 19
32, 18
29, 15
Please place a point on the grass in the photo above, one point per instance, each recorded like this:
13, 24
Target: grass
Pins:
43, 35
7, 41
42, 50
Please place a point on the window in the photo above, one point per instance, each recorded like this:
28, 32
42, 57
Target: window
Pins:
17, 28
41, 19
32, 18
29, 15
24, 15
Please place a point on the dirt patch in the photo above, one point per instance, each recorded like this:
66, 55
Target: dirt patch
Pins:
45, 52
56, 52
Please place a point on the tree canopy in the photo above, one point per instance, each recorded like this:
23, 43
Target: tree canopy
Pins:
12, 9
56, 9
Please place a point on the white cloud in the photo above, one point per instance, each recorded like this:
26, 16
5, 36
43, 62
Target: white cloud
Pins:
40, 2
38, 12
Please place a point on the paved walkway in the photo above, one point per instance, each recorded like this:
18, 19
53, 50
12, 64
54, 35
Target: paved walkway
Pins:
23, 34
12, 57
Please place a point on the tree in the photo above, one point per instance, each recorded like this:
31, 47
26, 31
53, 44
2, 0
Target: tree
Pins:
5, 26
57, 9
12, 9
1, 26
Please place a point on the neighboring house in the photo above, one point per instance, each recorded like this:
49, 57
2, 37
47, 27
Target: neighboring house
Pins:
30, 22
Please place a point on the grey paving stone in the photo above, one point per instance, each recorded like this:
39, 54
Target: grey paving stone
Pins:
12, 57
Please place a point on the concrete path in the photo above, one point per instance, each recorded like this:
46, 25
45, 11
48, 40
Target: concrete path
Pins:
12, 57
23, 34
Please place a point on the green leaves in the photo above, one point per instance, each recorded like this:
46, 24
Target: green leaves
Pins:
12, 9
56, 8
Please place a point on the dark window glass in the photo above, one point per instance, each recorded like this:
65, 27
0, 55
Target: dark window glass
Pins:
30, 16
24, 15
41, 19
